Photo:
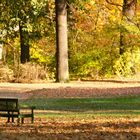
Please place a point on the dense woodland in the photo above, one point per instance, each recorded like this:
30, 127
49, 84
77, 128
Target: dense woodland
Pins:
103, 39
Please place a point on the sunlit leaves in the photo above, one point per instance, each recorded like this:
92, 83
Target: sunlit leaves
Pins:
38, 5
92, 25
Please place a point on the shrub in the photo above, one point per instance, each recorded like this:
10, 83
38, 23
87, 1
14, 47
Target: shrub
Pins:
6, 74
30, 72
128, 64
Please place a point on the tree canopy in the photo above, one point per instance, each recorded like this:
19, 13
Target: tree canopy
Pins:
103, 39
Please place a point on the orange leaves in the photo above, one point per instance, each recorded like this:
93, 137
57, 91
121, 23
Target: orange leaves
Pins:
71, 129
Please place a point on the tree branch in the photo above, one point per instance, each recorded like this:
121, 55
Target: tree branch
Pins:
115, 4
133, 2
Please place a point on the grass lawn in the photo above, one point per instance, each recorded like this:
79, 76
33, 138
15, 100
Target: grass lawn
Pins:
108, 118
87, 107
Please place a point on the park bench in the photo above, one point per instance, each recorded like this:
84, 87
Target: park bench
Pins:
9, 107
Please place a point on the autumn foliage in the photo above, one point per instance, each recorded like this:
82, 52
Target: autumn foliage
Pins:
95, 30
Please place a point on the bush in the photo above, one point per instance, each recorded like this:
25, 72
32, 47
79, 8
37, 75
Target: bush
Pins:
128, 64
30, 72
6, 74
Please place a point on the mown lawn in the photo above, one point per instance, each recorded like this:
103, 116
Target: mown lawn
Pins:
113, 106
108, 118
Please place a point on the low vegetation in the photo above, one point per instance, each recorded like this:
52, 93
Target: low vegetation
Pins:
86, 118
62, 114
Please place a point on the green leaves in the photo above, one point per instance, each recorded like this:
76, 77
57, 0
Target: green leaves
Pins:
130, 26
38, 5
128, 64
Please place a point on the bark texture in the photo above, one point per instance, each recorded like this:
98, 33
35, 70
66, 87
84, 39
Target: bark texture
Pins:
24, 43
62, 70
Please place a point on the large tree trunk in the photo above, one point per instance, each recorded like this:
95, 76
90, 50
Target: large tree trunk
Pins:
24, 44
128, 12
62, 70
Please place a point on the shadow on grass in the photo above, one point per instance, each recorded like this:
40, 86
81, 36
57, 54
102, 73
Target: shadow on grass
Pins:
113, 81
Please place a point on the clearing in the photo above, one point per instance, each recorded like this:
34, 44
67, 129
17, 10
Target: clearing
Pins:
62, 123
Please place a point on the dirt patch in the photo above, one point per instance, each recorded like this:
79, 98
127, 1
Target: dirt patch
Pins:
73, 89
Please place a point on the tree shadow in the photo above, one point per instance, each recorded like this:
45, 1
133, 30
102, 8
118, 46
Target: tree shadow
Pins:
123, 100
112, 81
82, 92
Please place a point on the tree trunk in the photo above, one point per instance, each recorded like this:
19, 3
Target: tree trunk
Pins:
24, 44
1, 50
128, 12
62, 70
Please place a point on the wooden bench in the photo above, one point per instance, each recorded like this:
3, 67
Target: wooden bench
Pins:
9, 107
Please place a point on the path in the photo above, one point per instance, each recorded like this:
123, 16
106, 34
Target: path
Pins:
72, 89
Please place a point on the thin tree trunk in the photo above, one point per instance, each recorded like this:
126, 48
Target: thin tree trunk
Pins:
62, 70
24, 43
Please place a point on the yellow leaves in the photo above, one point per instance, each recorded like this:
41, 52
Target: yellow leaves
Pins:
130, 27
92, 2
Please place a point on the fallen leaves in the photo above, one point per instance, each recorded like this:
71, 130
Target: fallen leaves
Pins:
70, 129
64, 128
72, 89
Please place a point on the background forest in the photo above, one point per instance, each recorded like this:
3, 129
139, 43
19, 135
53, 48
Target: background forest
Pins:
103, 39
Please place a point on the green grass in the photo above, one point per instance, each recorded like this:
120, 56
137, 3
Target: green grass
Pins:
112, 106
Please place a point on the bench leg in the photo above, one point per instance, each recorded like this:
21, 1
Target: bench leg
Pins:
8, 119
18, 121
12, 117
32, 119
22, 120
